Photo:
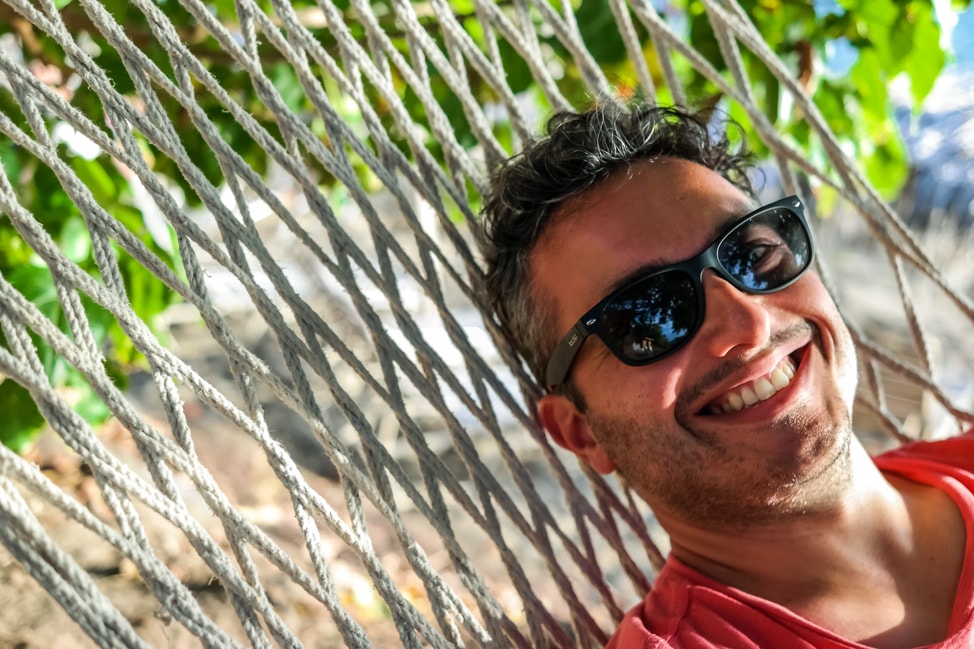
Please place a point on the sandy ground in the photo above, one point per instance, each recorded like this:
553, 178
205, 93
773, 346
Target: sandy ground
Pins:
31, 619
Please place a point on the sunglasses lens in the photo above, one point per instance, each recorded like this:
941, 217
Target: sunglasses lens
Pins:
658, 314
651, 318
766, 251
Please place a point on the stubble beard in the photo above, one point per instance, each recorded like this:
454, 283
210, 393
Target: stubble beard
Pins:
702, 480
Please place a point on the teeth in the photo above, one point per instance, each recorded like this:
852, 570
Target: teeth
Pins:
764, 389
788, 368
735, 401
761, 389
750, 396
779, 378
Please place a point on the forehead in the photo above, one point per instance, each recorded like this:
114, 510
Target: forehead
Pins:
652, 213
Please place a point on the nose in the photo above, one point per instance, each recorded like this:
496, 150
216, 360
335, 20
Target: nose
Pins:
735, 322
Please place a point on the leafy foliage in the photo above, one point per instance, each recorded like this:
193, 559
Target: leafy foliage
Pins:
43, 195
881, 40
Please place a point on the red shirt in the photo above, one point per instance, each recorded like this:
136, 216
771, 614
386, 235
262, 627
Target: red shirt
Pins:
688, 610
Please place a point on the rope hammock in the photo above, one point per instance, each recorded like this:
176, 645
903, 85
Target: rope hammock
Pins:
354, 309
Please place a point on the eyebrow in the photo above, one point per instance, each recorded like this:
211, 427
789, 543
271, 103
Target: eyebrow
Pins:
655, 266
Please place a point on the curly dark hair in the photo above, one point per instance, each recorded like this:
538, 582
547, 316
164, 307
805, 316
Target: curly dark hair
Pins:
578, 151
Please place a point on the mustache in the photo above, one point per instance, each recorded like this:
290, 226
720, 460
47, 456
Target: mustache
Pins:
720, 373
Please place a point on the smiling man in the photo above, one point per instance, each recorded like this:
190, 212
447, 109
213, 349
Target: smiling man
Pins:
684, 342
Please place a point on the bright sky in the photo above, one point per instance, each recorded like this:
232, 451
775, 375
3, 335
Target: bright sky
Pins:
963, 39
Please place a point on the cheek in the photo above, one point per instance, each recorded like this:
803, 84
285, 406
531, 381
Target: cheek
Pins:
820, 309
814, 292
846, 363
667, 389
809, 299
647, 391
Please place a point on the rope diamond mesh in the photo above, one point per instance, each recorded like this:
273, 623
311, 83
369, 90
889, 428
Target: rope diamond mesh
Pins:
354, 308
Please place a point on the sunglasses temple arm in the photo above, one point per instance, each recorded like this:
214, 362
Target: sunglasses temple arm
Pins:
564, 355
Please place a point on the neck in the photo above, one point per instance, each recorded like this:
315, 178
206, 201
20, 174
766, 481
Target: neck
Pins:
877, 561
820, 533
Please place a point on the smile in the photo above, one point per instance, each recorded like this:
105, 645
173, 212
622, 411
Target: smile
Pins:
761, 389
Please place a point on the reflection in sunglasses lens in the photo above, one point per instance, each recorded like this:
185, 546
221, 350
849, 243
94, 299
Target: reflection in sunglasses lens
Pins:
651, 317
658, 314
765, 252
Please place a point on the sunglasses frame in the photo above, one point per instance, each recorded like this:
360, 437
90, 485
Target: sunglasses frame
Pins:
567, 349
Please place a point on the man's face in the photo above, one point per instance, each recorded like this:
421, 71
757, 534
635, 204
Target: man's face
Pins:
663, 426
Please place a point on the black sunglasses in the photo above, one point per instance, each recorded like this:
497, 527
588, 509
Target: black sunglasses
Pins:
656, 314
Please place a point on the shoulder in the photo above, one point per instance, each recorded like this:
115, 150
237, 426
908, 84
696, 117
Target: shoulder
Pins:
688, 610
955, 452
653, 623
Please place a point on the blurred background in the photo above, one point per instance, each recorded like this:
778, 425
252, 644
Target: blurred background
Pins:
296, 229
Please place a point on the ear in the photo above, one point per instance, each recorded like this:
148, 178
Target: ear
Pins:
570, 430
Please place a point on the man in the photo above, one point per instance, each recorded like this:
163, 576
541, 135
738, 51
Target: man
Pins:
683, 341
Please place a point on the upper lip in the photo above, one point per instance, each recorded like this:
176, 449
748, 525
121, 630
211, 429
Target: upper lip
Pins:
744, 372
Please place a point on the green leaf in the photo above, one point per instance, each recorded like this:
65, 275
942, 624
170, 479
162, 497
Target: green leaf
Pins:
453, 109
598, 27
111, 62
74, 240
37, 285
871, 82
886, 167
875, 12
14, 251
285, 80
926, 60
21, 418
49, 202
702, 35
92, 408
87, 403
519, 76
99, 181
830, 98
10, 158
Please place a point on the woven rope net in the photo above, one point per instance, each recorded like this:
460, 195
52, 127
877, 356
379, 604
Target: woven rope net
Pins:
353, 309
